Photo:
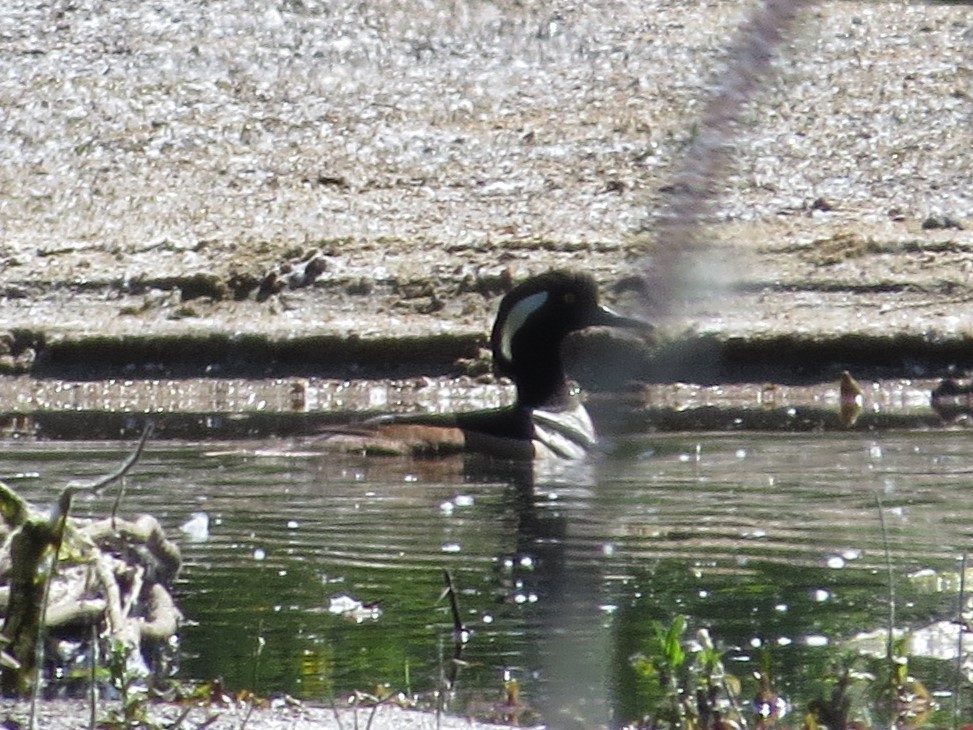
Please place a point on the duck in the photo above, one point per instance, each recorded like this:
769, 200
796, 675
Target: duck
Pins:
851, 399
547, 419
952, 400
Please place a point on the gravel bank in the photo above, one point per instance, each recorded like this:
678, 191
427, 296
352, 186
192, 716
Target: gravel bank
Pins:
71, 715
166, 169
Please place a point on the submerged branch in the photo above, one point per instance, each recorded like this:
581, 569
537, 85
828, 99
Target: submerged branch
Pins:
114, 575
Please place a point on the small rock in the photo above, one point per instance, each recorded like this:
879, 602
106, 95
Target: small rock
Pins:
241, 284
489, 283
293, 274
269, 285
25, 360
184, 312
429, 306
821, 204
326, 180
941, 222
361, 286
474, 367
415, 289
201, 284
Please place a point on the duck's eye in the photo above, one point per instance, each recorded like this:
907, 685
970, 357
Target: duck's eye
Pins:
569, 297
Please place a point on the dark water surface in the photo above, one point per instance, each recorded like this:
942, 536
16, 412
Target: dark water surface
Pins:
772, 542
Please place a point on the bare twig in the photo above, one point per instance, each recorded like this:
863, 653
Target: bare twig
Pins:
891, 576
117, 503
177, 723
94, 487
459, 640
961, 625
450, 592
246, 718
371, 715
334, 711
57, 522
258, 652
93, 684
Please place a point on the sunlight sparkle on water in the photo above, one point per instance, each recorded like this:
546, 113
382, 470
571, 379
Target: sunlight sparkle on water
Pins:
618, 531
197, 527
460, 500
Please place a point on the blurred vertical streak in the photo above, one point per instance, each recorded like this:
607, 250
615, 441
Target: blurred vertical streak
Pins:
679, 264
677, 268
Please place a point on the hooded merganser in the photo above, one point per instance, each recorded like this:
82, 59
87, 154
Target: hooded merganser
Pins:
547, 419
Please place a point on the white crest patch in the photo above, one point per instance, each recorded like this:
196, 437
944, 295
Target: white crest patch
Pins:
516, 318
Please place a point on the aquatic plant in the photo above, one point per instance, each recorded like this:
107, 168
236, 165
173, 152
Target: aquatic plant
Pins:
685, 681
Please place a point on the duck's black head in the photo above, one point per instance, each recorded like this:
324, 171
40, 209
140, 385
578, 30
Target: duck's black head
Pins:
533, 320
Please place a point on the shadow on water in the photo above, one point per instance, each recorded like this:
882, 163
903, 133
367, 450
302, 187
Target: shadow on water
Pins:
772, 542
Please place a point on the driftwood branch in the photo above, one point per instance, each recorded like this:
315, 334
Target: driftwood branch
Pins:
94, 487
114, 585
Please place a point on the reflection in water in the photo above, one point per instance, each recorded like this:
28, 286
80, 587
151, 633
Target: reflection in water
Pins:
558, 533
771, 542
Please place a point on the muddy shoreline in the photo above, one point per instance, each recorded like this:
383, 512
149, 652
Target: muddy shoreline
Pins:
248, 191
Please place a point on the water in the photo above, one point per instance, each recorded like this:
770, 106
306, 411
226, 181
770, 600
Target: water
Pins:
774, 543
